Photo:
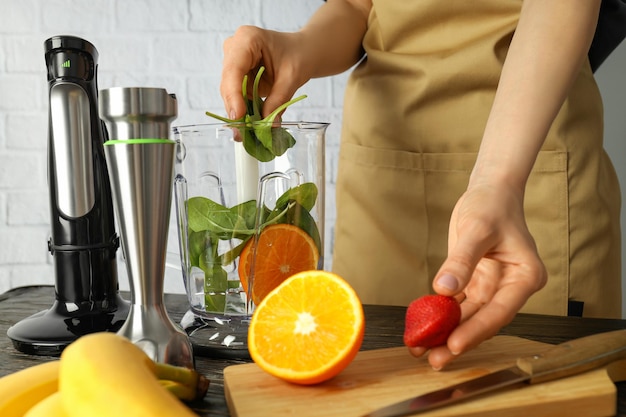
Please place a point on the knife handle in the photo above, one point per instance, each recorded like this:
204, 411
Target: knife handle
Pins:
575, 356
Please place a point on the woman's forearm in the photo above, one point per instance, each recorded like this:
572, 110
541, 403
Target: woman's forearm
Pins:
331, 40
550, 44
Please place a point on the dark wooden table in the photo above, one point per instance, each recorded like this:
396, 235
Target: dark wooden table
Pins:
384, 327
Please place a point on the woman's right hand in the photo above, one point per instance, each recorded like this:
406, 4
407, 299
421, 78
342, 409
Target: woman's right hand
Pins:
328, 44
249, 49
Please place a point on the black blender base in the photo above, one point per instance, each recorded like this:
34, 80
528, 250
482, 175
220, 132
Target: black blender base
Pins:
50, 331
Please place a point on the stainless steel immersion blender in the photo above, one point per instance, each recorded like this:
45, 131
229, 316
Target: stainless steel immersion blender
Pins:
141, 166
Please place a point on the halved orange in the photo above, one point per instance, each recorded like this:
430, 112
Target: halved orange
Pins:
308, 329
282, 250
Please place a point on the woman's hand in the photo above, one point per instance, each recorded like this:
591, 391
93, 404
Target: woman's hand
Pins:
249, 49
328, 44
492, 267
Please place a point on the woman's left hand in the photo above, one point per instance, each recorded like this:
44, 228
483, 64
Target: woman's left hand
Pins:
492, 267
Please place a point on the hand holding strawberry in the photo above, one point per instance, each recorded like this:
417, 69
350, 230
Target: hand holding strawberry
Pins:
430, 320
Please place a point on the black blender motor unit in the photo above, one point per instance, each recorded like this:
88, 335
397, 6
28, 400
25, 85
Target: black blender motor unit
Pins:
83, 240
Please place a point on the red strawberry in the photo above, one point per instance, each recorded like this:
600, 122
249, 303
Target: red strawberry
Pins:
430, 320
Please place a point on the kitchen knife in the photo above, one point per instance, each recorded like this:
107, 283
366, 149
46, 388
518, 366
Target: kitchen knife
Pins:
566, 359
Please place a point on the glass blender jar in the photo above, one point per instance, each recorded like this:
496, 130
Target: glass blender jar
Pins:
231, 190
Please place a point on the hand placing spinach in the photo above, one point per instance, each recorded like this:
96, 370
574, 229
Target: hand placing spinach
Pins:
210, 222
261, 138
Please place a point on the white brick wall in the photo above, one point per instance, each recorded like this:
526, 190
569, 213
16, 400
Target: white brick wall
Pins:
173, 44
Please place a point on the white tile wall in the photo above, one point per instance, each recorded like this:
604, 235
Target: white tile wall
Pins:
174, 44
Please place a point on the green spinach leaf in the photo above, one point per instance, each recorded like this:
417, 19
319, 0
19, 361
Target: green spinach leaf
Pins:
304, 194
261, 138
206, 214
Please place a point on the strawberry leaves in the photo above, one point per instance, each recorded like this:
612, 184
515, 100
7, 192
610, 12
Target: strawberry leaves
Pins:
262, 137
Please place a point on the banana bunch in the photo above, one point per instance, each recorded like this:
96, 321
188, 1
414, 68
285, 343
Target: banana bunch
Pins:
101, 375
19, 391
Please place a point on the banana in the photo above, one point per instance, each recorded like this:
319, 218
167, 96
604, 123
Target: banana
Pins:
23, 389
184, 383
181, 391
34, 389
106, 375
51, 406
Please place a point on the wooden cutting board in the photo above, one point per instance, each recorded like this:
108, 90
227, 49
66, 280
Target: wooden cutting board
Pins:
380, 377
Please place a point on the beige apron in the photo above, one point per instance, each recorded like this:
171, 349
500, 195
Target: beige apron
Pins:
414, 115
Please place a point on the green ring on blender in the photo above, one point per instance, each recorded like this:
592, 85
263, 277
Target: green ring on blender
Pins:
137, 141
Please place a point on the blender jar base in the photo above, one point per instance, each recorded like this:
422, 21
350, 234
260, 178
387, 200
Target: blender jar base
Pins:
220, 337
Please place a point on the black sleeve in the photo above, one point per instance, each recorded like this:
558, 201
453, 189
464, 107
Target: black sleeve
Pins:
610, 32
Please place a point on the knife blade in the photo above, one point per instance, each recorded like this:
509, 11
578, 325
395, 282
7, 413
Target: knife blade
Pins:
567, 359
